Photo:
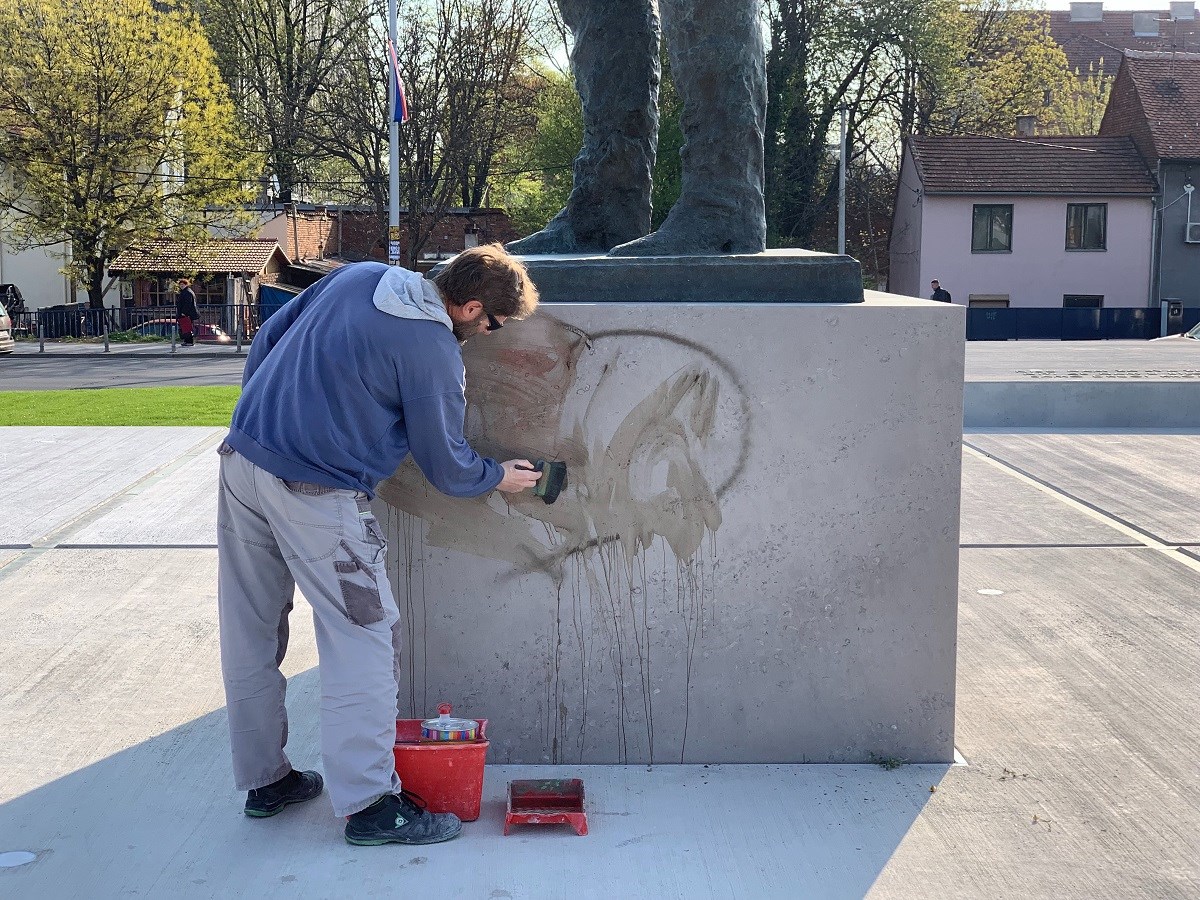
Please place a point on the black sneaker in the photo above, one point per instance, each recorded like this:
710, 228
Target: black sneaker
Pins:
400, 819
294, 787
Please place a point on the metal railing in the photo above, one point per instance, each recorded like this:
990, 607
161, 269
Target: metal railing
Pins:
218, 324
1016, 323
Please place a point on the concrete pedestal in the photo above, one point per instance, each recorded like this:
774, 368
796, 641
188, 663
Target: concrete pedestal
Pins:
756, 558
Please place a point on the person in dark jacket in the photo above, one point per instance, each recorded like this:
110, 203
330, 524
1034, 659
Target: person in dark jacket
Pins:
186, 312
939, 294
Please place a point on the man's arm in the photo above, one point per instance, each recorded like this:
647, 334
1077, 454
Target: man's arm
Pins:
272, 332
435, 439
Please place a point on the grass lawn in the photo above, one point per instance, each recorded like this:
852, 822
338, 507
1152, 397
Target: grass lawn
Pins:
120, 406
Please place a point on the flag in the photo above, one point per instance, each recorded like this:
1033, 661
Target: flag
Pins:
400, 111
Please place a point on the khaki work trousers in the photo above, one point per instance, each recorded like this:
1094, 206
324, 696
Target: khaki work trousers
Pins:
272, 536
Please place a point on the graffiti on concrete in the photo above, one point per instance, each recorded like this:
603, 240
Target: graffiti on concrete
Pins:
647, 462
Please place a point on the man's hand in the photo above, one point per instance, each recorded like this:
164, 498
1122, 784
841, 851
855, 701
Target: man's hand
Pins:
519, 474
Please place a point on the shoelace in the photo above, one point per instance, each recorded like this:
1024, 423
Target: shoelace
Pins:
414, 800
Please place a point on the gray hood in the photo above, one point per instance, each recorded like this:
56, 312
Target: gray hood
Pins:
409, 295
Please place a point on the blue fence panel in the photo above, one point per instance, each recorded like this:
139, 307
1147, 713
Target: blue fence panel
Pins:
991, 325
1054, 324
1130, 324
1039, 324
1081, 324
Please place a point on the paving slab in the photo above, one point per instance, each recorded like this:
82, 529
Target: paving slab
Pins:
1000, 510
1146, 480
53, 476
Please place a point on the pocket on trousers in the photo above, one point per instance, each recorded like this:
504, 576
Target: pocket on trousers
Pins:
359, 586
372, 533
314, 505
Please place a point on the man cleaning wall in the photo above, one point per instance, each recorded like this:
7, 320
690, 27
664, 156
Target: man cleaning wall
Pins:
340, 386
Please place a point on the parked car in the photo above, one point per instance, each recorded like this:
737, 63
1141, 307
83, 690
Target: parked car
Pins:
7, 344
205, 333
1193, 334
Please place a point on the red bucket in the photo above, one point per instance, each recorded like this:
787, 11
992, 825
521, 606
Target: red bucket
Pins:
447, 775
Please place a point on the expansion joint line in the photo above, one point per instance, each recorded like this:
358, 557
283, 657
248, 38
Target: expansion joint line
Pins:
1176, 552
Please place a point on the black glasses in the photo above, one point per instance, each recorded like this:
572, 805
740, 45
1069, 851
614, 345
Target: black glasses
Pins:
493, 324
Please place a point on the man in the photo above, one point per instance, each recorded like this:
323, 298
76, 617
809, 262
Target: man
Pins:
341, 384
186, 312
938, 294
718, 66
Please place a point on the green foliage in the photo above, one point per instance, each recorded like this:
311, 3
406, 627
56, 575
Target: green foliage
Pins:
1079, 105
104, 106
668, 167
1002, 64
538, 163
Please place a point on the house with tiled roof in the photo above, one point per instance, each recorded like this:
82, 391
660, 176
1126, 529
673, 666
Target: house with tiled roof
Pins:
1095, 38
223, 270
1045, 222
1156, 101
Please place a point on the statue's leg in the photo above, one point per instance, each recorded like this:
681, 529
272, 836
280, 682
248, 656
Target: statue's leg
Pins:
719, 68
616, 72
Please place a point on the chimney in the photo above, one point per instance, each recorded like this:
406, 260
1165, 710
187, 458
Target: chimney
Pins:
1026, 126
1145, 24
1087, 12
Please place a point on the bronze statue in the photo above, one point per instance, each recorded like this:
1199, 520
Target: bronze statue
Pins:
717, 63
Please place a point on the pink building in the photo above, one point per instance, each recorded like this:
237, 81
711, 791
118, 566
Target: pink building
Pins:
1050, 222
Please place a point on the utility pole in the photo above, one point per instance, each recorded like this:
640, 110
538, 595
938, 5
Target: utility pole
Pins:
842, 186
393, 146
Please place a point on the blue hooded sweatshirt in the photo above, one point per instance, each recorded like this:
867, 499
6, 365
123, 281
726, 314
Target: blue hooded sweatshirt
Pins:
351, 376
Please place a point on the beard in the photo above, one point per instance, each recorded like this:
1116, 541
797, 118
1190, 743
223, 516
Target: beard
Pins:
465, 331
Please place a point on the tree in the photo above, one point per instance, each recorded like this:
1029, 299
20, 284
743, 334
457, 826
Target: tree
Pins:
280, 55
1079, 105
997, 62
115, 127
536, 163
825, 55
459, 61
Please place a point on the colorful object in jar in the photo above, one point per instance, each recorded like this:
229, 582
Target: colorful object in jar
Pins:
444, 728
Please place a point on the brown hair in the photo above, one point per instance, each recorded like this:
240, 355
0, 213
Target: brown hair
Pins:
493, 277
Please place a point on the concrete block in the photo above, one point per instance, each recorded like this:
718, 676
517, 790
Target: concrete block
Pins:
756, 557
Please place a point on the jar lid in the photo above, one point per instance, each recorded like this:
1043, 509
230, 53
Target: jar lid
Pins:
446, 728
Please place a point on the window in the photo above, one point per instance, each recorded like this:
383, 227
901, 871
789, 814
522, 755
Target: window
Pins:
1082, 301
991, 228
1087, 226
988, 301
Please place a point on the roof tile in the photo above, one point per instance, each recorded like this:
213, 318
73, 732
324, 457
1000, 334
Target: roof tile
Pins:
1037, 165
215, 255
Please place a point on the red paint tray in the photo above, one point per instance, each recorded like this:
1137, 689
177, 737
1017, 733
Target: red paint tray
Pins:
547, 801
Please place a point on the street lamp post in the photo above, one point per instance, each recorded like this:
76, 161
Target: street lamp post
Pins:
393, 150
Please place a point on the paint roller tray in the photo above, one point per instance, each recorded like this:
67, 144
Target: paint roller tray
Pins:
546, 801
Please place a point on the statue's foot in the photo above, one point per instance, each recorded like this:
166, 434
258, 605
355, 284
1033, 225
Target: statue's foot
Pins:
695, 235
557, 237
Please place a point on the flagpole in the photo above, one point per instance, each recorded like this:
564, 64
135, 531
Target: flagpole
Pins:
393, 153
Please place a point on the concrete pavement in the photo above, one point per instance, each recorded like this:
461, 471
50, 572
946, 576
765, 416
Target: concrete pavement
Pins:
1078, 711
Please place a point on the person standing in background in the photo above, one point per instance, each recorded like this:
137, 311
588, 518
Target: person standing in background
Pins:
939, 293
186, 312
